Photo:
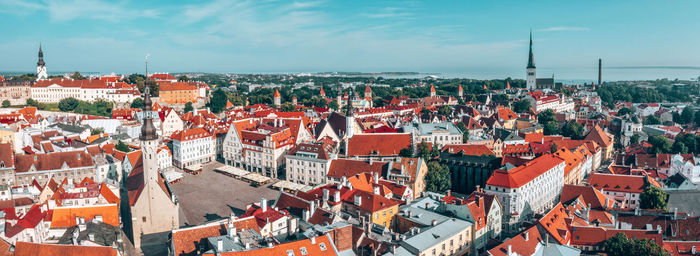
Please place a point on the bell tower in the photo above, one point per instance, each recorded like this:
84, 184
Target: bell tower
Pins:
531, 70
149, 137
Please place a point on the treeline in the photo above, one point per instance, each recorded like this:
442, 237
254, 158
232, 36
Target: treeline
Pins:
97, 108
611, 93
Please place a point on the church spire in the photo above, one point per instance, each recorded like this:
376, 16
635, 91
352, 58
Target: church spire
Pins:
41, 57
148, 130
531, 57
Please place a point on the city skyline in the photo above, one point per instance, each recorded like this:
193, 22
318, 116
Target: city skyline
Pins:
244, 37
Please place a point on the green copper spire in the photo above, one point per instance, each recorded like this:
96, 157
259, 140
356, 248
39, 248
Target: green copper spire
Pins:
531, 57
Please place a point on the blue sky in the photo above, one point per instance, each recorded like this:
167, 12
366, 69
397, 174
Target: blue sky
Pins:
291, 36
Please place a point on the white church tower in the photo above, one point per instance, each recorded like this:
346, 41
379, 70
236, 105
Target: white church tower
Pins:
41, 66
531, 78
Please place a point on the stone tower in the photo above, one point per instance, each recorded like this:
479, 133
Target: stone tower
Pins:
531, 70
277, 98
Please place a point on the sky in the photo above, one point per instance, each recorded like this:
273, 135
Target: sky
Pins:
479, 38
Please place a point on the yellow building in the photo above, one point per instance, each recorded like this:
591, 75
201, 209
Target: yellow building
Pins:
7, 135
375, 208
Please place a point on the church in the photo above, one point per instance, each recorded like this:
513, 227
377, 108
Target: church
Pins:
532, 82
153, 208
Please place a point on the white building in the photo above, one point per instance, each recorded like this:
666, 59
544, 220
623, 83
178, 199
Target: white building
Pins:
165, 158
171, 123
54, 90
527, 190
556, 102
436, 133
624, 189
688, 168
192, 147
308, 163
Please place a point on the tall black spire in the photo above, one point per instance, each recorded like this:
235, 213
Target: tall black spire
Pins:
41, 57
349, 111
531, 57
148, 130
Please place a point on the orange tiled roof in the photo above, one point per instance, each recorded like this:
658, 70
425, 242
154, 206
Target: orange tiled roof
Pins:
521, 175
27, 249
469, 149
555, 224
190, 134
312, 248
65, 217
620, 183
380, 144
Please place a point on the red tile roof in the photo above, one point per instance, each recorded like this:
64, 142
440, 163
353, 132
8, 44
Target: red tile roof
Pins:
521, 175
190, 134
378, 144
469, 149
187, 241
65, 217
53, 161
555, 224
599, 136
591, 195
24, 248
620, 183
524, 243
312, 248
177, 86
349, 167
593, 236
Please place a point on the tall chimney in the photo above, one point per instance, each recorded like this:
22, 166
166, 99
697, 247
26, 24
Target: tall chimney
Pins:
263, 204
600, 71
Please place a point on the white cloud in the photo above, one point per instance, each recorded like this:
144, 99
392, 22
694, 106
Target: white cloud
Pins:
67, 10
551, 29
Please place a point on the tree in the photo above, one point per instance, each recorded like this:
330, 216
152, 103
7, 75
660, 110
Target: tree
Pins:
121, 146
188, 107
659, 145
546, 116
652, 120
697, 117
77, 76
333, 105
679, 148
621, 245
424, 151
137, 103
406, 152
553, 149
573, 130
521, 106
97, 131
634, 139
438, 178
687, 115
6, 104
183, 78
68, 104
551, 128
445, 110
217, 102
287, 107
653, 198
624, 111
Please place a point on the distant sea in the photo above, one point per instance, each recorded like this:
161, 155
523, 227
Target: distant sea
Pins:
566, 75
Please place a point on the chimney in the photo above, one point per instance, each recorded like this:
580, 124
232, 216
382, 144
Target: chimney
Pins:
349, 186
313, 240
433, 223
325, 194
263, 204
247, 246
231, 230
336, 196
91, 236
526, 235
675, 213
220, 245
449, 192
692, 250
410, 213
375, 190
312, 207
305, 214
427, 205
358, 200
376, 177
510, 250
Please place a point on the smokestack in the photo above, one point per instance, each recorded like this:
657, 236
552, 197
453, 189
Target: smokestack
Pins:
600, 71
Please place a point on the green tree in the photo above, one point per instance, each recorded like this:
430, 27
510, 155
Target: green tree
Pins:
546, 116
621, 245
183, 78
679, 147
424, 150
6, 104
97, 131
697, 117
653, 198
573, 130
521, 106
121, 146
445, 110
438, 177
553, 148
624, 111
406, 152
137, 103
688, 115
551, 128
659, 145
287, 107
68, 104
217, 102
634, 139
652, 120
333, 105
77, 76
188, 107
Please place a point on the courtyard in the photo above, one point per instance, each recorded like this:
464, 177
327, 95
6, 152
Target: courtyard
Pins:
210, 196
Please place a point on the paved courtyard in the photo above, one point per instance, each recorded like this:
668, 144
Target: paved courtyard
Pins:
211, 196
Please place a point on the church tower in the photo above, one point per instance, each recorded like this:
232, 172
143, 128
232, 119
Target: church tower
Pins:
531, 78
154, 209
41, 66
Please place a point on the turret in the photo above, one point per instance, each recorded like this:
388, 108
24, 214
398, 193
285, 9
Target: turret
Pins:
432, 91
460, 91
368, 92
41, 66
531, 70
277, 98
